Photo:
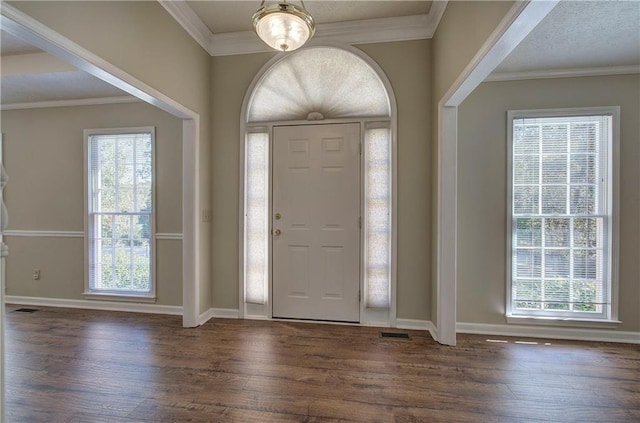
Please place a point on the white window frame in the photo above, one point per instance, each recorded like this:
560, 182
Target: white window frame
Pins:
117, 295
611, 167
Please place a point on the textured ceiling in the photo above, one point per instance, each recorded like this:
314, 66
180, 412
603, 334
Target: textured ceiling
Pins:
232, 16
580, 34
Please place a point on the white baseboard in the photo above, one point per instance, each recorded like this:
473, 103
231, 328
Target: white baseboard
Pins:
576, 334
94, 305
256, 317
218, 313
418, 325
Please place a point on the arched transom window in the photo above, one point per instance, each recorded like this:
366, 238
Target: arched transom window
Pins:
330, 81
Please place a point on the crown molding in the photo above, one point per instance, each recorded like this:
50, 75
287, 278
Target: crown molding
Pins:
234, 43
355, 32
375, 30
71, 103
563, 73
404, 28
435, 15
190, 21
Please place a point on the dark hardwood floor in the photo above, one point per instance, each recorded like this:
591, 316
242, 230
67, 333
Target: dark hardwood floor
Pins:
88, 366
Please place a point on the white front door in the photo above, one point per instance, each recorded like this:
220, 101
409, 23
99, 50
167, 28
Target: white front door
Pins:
316, 222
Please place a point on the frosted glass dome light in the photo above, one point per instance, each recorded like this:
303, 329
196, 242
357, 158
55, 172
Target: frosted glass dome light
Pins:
283, 26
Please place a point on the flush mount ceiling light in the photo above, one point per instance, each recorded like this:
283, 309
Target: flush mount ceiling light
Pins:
283, 26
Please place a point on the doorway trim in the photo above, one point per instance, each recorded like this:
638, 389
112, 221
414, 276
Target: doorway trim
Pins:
374, 317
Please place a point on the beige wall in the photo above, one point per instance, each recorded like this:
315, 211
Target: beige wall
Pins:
231, 76
43, 155
407, 66
142, 39
482, 202
463, 29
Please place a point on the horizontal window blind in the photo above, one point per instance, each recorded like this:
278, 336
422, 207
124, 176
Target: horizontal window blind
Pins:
120, 212
560, 245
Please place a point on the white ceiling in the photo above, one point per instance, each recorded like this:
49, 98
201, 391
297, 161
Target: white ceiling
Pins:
234, 16
55, 86
30, 76
576, 34
10, 45
579, 35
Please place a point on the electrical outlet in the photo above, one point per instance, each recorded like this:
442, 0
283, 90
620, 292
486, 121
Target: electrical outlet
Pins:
36, 274
207, 216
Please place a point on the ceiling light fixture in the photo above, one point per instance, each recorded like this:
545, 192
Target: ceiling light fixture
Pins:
283, 26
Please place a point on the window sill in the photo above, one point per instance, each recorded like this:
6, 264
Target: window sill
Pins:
110, 296
562, 321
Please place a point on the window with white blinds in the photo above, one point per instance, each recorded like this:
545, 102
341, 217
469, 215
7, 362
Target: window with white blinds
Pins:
561, 210
120, 174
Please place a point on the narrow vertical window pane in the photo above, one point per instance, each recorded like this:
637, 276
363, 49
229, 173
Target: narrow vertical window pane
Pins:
377, 217
120, 212
256, 219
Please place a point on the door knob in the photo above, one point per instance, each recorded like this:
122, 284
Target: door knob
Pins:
277, 232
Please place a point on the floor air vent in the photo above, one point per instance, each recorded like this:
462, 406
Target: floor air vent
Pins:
26, 310
398, 335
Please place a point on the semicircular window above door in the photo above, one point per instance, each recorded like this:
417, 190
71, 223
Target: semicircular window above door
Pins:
326, 80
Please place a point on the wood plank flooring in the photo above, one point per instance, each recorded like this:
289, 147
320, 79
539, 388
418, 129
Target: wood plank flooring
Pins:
85, 366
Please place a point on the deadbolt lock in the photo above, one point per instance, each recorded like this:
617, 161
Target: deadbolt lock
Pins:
278, 216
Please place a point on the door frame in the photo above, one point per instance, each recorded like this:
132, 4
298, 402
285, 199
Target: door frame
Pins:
368, 316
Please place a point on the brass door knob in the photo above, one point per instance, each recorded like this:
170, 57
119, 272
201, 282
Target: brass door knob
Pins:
277, 232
